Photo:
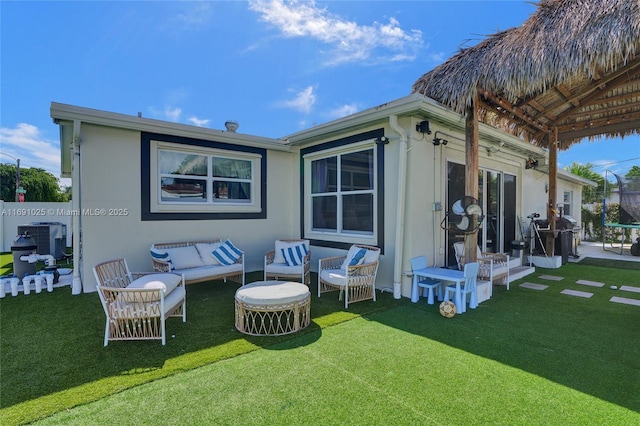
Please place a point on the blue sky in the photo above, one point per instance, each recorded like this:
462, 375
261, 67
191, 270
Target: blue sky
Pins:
276, 67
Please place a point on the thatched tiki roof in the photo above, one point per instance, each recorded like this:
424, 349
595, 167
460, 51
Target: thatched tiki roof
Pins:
574, 66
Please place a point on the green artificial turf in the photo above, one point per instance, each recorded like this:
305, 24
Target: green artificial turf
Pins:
347, 376
52, 356
524, 356
621, 264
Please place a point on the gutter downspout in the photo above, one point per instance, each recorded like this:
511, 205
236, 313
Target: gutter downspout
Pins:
402, 184
76, 205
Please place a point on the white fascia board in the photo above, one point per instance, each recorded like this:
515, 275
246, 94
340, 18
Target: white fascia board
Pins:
403, 106
420, 106
64, 112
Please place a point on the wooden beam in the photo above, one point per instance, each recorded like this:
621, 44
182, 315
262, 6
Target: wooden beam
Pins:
610, 99
600, 127
564, 91
471, 171
507, 115
592, 91
553, 190
500, 102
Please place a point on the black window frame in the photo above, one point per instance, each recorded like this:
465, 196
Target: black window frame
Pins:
339, 143
147, 181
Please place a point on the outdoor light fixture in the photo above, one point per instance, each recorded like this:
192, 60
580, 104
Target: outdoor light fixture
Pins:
423, 127
441, 141
493, 149
531, 163
382, 140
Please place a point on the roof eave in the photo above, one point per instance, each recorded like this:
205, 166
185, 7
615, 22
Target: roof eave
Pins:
68, 113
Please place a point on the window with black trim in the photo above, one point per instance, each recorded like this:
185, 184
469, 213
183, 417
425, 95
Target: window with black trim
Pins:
185, 178
203, 177
343, 191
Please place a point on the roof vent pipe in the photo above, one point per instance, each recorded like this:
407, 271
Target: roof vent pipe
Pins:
231, 126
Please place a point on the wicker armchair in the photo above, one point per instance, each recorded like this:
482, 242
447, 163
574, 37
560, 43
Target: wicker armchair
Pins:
494, 267
137, 305
276, 267
355, 281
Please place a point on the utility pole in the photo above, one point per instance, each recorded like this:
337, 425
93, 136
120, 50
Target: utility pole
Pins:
18, 180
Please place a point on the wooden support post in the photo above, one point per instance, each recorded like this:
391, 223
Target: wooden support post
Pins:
471, 171
553, 189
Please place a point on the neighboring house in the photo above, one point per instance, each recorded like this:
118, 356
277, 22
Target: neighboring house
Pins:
376, 177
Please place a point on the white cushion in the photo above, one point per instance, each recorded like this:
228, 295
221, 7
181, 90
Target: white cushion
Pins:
174, 298
278, 257
279, 268
269, 293
165, 282
227, 253
185, 257
122, 309
371, 256
206, 252
355, 252
337, 277
210, 271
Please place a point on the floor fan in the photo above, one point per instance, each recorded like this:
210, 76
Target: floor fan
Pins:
470, 215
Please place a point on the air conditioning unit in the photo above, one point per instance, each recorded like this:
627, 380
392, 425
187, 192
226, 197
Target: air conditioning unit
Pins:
50, 237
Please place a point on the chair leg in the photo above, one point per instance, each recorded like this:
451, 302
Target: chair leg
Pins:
430, 296
473, 299
106, 333
162, 329
346, 297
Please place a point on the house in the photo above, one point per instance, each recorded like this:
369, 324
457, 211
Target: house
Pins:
386, 176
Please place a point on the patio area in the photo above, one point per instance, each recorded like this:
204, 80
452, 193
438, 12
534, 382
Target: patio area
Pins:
595, 250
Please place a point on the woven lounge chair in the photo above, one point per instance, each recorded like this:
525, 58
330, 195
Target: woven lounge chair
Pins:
137, 305
288, 261
353, 275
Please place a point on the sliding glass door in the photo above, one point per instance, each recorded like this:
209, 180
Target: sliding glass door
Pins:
497, 196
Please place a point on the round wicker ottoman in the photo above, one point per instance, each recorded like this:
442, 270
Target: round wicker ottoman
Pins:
272, 308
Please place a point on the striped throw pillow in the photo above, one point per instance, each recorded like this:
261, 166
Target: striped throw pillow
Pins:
294, 256
227, 253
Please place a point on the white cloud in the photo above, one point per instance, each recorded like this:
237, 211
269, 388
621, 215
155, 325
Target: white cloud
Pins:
172, 114
303, 101
26, 142
200, 122
351, 42
343, 111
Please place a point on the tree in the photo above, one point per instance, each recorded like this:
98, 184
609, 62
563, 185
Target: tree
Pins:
39, 184
589, 193
633, 172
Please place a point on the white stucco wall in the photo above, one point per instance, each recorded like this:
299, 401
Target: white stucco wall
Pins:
111, 180
535, 195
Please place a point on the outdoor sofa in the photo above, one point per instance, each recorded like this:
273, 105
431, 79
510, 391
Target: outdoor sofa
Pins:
200, 261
